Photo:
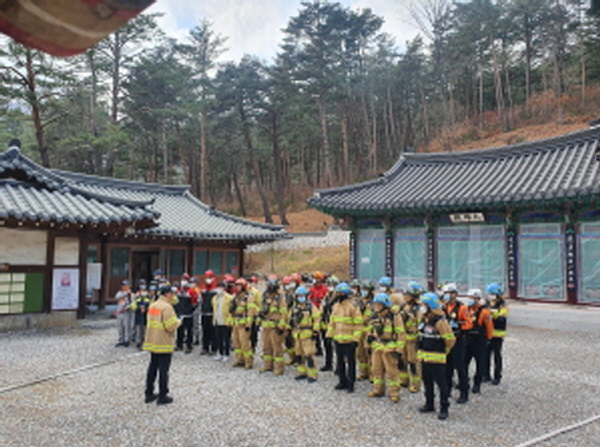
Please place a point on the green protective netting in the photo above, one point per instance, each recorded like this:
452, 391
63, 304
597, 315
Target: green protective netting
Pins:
471, 256
541, 261
589, 263
410, 256
370, 259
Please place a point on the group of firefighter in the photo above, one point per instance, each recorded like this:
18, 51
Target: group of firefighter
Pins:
406, 338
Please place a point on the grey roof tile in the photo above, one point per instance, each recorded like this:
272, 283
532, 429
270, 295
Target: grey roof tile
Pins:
545, 170
30, 191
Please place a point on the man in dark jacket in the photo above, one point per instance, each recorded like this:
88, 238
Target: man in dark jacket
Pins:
207, 293
185, 311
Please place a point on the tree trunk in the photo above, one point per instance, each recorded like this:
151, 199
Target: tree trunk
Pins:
238, 191
345, 148
255, 167
97, 154
36, 113
583, 77
480, 98
368, 136
165, 152
498, 88
528, 39
374, 144
393, 129
184, 169
203, 157
116, 79
510, 117
426, 132
326, 148
279, 183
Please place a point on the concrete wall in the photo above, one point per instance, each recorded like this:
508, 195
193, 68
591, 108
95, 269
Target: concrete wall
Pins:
37, 321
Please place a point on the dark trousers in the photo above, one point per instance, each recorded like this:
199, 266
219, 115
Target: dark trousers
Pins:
208, 333
435, 373
346, 353
476, 348
254, 335
318, 342
159, 363
223, 339
328, 345
456, 362
185, 333
495, 352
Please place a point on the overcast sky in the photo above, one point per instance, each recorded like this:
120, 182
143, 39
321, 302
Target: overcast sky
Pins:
254, 26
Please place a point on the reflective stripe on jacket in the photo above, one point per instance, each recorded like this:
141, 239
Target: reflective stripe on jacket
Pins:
345, 323
436, 339
161, 327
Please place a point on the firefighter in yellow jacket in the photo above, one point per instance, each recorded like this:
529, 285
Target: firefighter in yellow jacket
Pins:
436, 339
161, 328
243, 311
364, 301
410, 368
386, 338
499, 311
345, 327
305, 323
272, 318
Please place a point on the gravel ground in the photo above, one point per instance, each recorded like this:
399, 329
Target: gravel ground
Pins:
551, 381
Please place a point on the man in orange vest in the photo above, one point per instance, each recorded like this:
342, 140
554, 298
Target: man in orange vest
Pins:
456, 313
479, 335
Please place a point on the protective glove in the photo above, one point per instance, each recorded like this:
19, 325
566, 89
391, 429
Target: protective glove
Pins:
247, 329
279, 331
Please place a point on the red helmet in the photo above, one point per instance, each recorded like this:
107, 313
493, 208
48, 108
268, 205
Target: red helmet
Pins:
272, 277
241, 282
186, 276
209, 274
295, 277
228, 278
254, 279
286, 280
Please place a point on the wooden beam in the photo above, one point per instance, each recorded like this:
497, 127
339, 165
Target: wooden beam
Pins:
83, 246
50, 246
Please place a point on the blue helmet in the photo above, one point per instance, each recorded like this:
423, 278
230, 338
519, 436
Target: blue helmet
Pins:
494, 289
385, 281
301, 291
414, 288
382, 298
431, 300
343, 288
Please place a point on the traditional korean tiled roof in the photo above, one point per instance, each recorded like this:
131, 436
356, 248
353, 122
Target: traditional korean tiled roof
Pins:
31, 193
31, 190
544, 171
181, 214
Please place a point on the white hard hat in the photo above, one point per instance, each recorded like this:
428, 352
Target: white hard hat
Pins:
476, 293
450, 287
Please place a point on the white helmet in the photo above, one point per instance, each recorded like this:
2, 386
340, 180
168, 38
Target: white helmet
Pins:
475, 293
450, 288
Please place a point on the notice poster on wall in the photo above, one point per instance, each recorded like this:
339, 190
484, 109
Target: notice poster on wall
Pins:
94, 276
65, 289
